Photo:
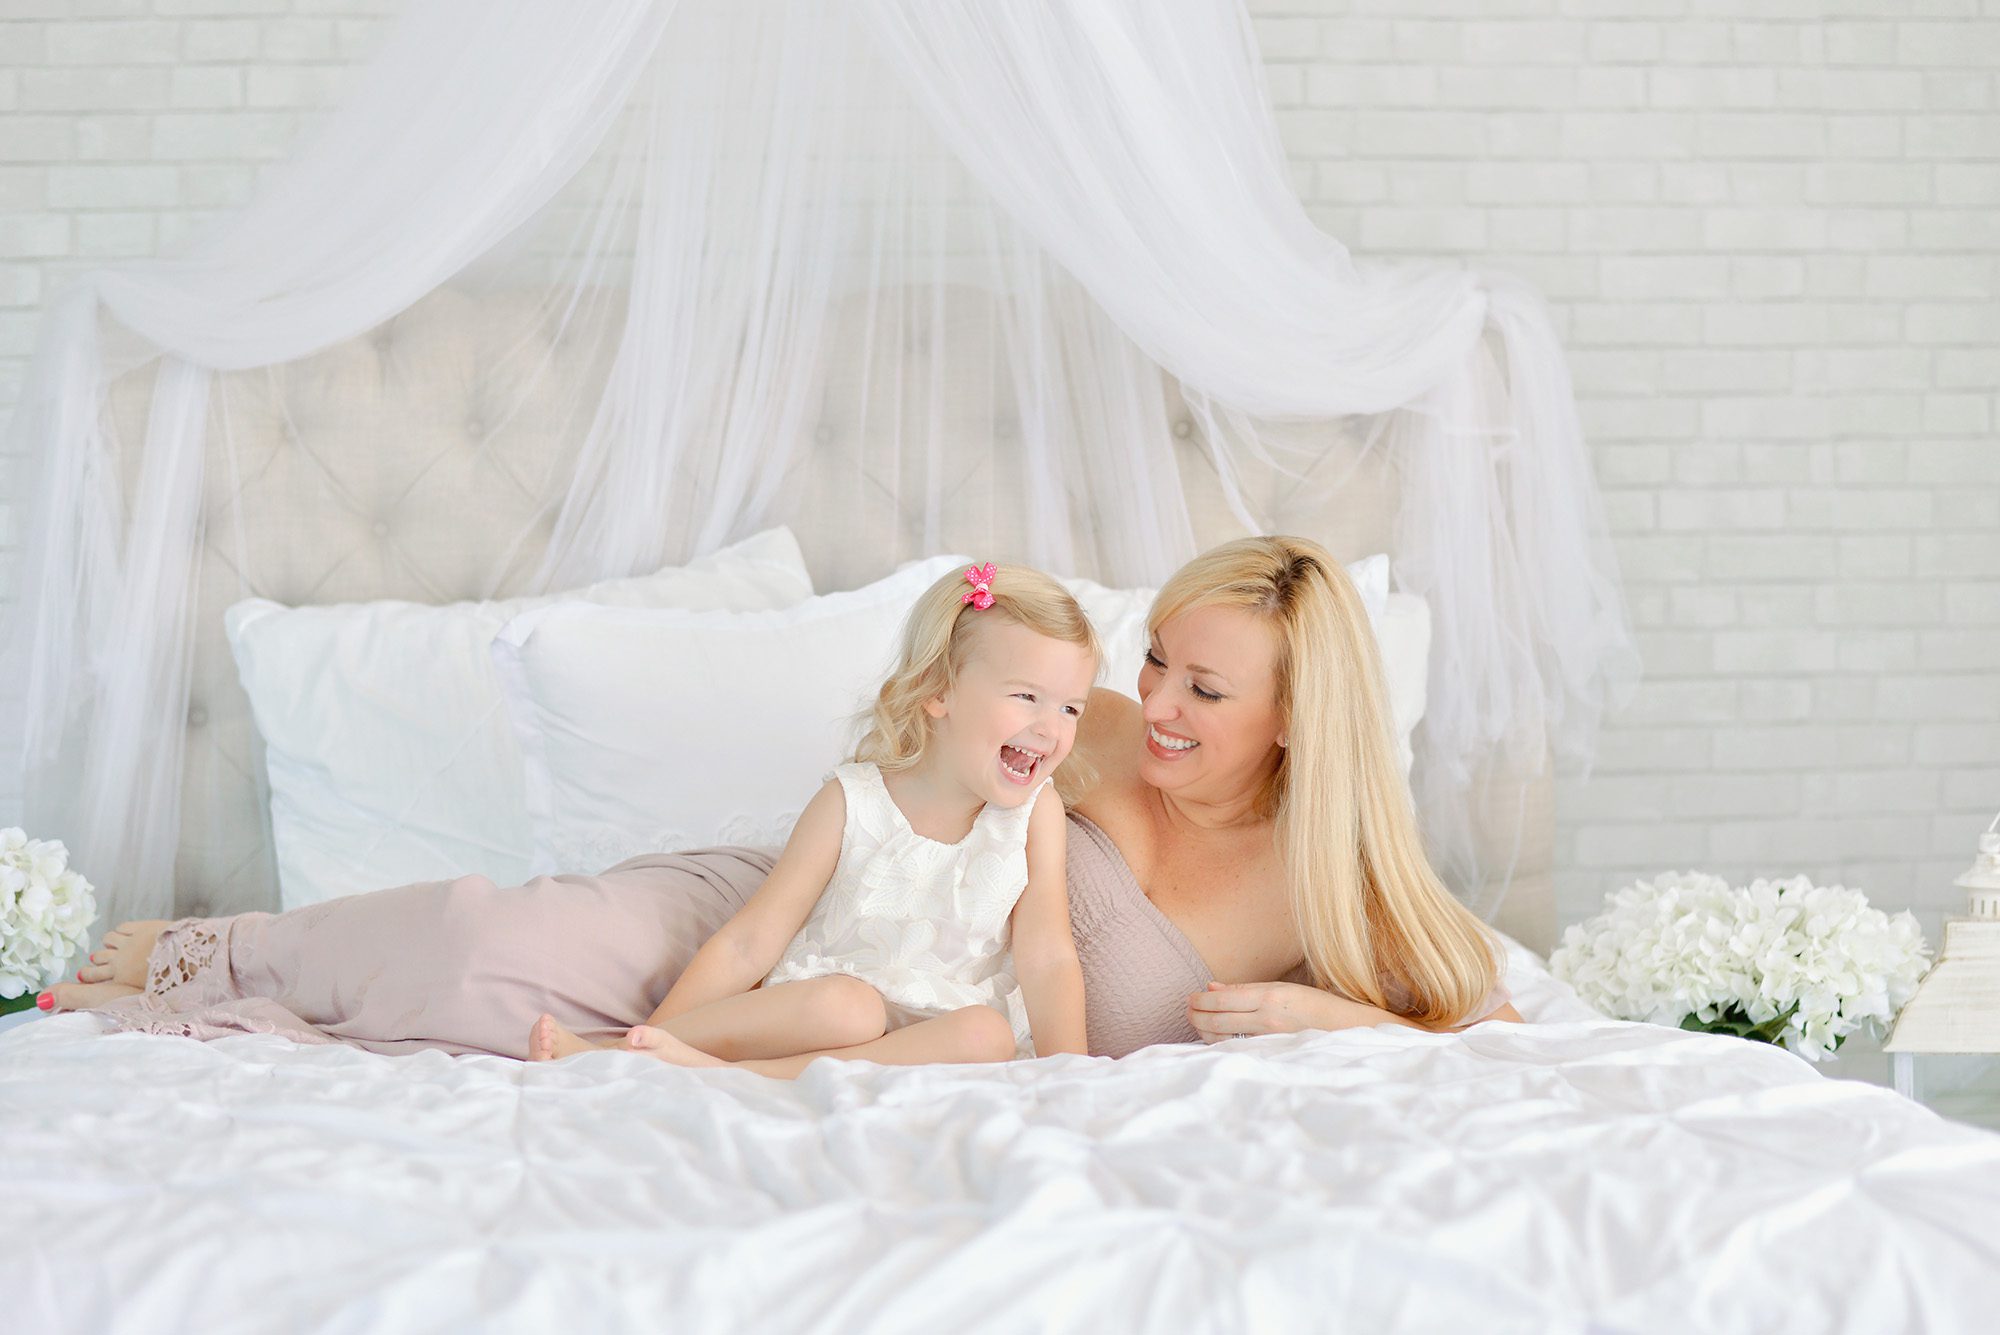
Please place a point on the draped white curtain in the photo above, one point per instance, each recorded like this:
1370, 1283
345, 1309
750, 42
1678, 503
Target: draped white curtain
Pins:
457, 135
694, 193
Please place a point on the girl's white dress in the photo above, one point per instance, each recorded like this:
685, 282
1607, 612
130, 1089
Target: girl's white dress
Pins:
926, 923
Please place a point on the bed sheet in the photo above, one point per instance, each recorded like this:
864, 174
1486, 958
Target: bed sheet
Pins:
1575, 1174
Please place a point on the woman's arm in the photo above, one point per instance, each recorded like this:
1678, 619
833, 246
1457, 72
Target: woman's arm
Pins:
1342, 1013
1226, 1010
750, 944
1045, 960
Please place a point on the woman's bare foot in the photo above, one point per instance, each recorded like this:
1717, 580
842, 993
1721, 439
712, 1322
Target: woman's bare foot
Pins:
548, 1041
83, 996
122, 957
663, 1045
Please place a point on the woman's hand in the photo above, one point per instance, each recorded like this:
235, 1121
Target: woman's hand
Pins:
1231, 1010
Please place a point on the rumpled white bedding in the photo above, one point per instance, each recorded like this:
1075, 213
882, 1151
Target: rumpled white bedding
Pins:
1573, 1175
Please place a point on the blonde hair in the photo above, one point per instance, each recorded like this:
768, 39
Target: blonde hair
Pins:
937, 641
1377, 923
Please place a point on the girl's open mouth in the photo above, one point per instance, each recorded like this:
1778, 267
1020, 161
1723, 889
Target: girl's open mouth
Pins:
1019, 765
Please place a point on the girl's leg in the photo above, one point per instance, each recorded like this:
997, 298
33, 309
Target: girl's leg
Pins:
835, 1011
549, 1041
969, 1034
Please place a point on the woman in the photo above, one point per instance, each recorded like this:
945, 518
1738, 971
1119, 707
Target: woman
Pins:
1253, 794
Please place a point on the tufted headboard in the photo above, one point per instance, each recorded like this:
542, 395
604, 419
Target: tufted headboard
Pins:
378, 469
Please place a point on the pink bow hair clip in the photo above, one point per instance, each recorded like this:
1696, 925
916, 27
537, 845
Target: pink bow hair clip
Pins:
981, 580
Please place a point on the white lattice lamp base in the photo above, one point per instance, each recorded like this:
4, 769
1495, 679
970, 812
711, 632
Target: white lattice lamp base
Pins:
1957, 1009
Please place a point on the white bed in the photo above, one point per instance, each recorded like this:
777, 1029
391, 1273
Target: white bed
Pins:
1573, 1174
1576, 1174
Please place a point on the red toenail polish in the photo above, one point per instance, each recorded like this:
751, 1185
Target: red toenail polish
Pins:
46, 1001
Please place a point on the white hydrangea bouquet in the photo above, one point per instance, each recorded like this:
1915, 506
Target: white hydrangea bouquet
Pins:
46, 909
1784, 962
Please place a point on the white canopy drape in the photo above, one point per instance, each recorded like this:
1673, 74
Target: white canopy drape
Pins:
691, 189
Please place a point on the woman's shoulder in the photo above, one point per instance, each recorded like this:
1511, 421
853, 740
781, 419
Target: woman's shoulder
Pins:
1109, 717
1108, 740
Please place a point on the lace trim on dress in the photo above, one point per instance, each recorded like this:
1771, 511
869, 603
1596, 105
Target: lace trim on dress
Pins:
189, 991
180, 958
182, 976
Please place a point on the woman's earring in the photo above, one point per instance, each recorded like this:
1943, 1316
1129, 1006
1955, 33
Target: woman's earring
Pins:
1281, 741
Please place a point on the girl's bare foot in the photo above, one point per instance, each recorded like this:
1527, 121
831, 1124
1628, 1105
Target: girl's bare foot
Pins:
122, 957
548, 1041
663, 1045
82, 996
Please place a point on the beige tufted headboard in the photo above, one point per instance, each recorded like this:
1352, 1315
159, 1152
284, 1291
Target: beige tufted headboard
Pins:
377, 469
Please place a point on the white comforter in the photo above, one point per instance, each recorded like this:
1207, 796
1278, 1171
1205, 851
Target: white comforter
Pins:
1565, 1176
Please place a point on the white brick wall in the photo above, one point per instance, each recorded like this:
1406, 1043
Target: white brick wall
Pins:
1771, 236
1773, 247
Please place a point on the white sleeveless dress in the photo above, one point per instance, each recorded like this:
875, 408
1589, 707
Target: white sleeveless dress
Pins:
925, 923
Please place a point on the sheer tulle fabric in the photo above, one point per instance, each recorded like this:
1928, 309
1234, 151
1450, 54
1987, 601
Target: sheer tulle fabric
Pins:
679, 202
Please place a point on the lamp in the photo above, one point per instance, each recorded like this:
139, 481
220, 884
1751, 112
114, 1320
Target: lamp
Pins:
1957, 1006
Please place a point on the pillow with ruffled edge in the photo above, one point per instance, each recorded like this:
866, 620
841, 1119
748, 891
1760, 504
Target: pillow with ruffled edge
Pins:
387, 744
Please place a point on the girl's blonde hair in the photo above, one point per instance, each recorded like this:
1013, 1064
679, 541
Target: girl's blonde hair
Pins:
1373, 916
936, 643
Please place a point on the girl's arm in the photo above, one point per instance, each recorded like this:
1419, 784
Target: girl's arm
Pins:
750, 944
1044, 951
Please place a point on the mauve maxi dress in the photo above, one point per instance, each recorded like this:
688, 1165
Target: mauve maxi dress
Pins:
466, 965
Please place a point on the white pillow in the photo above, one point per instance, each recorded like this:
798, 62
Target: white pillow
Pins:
388, 747
650, 731
1402, 627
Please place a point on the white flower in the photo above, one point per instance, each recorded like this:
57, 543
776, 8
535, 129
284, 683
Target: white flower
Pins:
46, 911
1683, 946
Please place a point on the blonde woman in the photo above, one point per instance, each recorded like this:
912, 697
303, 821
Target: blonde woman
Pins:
1246, 863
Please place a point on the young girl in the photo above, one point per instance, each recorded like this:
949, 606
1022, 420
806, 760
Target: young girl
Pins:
919, 912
